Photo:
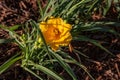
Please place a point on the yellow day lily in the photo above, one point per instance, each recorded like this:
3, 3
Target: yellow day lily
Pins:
56, 32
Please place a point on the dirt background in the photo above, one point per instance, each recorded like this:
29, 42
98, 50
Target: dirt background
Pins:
101, 65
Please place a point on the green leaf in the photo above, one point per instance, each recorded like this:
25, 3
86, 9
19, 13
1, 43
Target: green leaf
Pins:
108, 5
63, 64
46, 12
9, 62
95, 42
92, 6
40, 7
6, 40
33, 23
46, 71
12, 28
69, 59
82, 2
30, 71
76, 51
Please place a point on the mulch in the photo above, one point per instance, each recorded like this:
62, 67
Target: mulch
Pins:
100, 64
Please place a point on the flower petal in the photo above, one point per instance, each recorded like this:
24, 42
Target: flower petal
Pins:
56, 32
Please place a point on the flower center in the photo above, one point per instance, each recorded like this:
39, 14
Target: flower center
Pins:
56, 31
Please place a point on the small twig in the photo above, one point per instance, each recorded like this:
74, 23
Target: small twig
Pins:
117, 69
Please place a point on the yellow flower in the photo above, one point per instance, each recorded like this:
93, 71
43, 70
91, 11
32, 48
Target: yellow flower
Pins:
56, 32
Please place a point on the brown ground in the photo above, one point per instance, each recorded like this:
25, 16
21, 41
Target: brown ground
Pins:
101, 65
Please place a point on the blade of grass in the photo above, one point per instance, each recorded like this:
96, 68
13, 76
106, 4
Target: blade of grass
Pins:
13, 28
40, 8
108, 5
63, 64
40, 33
9, 62
48, 6
80, 65
92, 6
33, 73
76, 51
46, 71
69, 59
6, 40
42, 37
76, 6
66, 8
95, 42
14, 35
